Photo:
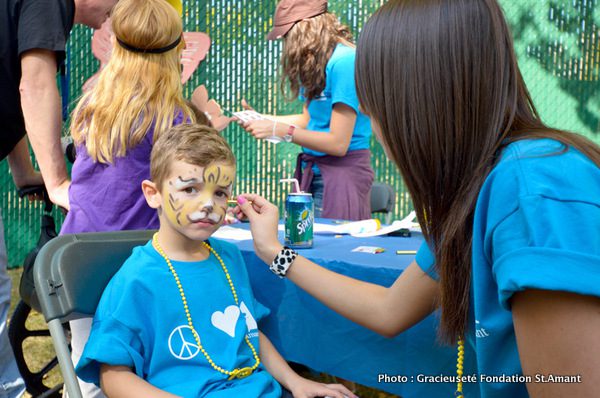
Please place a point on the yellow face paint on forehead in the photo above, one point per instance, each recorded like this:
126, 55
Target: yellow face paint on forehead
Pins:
219, 174
199, 193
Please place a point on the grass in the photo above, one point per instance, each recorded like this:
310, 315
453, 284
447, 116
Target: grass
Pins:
38, 350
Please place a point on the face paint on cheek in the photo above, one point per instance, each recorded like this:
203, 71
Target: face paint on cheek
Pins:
216, 178
173, 210
175, 205
184, 208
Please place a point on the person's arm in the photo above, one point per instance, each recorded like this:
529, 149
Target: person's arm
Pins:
335, 142
387, 311
120, 381
557, 334
298, 120
21, 167
40, 103
299, 386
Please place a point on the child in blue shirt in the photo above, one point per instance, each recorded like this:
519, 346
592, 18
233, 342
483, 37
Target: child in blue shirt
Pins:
179, 317
318, 67
509, 207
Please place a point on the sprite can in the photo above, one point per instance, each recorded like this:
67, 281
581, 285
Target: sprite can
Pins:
299, 219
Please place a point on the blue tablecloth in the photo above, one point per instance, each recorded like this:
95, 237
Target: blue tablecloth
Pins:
307, 332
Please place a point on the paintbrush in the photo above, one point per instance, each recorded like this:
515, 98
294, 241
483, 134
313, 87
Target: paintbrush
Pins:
235, 202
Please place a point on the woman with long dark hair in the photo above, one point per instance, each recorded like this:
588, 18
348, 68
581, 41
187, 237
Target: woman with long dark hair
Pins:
318, 67
509, 207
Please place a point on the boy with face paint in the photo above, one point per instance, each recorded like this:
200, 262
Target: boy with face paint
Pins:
194, 198
179, 317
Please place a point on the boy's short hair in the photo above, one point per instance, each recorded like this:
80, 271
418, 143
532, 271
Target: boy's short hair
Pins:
191, 143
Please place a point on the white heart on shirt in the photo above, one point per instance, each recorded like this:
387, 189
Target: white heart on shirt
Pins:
227, 320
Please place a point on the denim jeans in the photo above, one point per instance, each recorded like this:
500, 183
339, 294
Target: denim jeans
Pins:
11, 383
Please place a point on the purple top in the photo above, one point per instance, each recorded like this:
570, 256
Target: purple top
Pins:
108, 197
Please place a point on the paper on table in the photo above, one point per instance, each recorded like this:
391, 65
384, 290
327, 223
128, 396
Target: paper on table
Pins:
406, 222
369, 249
232, 233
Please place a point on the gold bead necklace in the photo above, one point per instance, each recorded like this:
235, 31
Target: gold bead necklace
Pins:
238, 373
459, 368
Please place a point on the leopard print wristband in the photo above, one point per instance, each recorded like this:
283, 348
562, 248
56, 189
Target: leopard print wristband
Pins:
283, 261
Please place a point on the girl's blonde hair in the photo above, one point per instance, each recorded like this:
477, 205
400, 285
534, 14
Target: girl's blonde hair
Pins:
307, 48
135, 91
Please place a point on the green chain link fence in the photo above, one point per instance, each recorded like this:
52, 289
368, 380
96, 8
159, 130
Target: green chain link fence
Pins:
557, 42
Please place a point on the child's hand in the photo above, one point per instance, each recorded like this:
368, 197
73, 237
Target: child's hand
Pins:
305, 388
245, 107
261, 129
264, 217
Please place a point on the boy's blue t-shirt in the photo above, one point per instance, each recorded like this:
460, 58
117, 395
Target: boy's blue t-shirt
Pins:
536, 226
340, 87
140, 323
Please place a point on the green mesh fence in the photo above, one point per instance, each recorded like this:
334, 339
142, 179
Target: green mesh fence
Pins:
557, 42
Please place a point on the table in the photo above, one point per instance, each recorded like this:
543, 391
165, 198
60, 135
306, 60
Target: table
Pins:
307, 332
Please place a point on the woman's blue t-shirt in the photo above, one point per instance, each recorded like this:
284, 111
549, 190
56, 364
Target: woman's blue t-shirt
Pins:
340, 87
536, 226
